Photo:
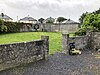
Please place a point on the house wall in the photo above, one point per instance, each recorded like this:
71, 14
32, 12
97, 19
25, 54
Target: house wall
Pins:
25, 27
9, 20
29, 22
15, 54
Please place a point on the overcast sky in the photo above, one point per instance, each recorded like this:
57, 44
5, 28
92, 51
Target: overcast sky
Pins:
46, 8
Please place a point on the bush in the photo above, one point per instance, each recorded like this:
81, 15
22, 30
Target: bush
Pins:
80, 32
10, 27
90, 23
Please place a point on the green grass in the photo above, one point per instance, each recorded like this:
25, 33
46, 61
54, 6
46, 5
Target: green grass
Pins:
72, 34
55, 39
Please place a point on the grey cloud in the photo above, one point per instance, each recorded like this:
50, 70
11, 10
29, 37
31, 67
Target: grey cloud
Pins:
19, 4
45, 8
42, 5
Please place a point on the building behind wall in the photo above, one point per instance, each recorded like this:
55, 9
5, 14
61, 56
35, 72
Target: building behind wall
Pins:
28, 20
5, 17
69, 26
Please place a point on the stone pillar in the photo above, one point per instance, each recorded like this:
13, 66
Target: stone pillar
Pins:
90, 43
65, 45
45, 46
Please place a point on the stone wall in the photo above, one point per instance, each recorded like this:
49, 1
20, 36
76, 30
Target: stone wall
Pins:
15, 54
95, 40
69, 28
66, 28
81, 42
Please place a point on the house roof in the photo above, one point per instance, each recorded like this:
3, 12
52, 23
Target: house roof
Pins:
27, 19
5, 17
69, 21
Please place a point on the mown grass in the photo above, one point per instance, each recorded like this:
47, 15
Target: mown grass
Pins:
54, 39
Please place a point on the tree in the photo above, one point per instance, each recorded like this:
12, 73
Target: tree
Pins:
41, 20
2, 14
90, 22
82, 17
3, 27
97, 11
42, 25
61, 19
50, 20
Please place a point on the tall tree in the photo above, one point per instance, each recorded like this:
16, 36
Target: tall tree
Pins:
50, 20
97, 11
3, 27
92, 20
42, 24
82, 17
89, 22
41, 20
61, 19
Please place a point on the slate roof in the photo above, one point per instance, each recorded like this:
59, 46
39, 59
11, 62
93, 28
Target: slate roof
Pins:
69, 21
27, 19
5, 17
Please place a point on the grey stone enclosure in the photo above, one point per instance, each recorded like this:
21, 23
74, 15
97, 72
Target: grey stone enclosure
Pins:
90, 41
69, 28
16, 54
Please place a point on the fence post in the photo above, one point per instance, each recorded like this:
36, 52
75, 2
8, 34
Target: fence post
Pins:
45, 46
65, 45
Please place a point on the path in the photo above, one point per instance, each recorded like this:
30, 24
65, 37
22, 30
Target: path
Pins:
60, 64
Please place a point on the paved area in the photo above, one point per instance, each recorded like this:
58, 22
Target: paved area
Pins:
60, 64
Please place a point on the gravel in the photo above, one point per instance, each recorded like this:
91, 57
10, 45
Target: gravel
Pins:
60, 64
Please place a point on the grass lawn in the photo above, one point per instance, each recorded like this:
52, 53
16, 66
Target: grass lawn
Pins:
54, 39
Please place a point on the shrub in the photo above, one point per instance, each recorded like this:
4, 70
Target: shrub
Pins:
9, 27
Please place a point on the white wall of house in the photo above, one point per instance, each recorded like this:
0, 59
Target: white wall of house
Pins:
34, 22
9, 20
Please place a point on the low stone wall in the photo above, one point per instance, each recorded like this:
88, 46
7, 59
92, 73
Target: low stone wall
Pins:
15, 54
81, 42
95, 40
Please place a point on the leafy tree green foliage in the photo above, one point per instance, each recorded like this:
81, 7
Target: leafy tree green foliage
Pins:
9, 27
90, 22
97, 11
3, 28
61, 19
41, 20
82, 17
50, 20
